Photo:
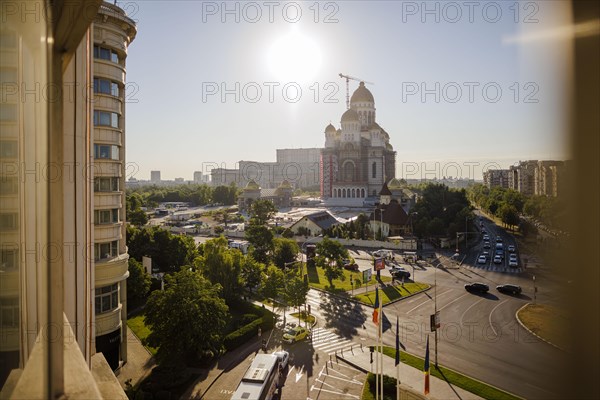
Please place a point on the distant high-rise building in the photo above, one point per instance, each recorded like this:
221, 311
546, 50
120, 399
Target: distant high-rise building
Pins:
541, 178
496, 177
198, 177
155, 176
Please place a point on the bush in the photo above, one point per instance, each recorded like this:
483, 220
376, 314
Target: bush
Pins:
246, 319
287, 233
389, 386
261, 317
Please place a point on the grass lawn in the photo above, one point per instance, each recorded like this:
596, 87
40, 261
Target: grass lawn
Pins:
452, 377
303, 317
547, 322
391, 293
317, 279
137, 325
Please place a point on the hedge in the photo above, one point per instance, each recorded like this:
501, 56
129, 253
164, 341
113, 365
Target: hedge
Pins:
249, 331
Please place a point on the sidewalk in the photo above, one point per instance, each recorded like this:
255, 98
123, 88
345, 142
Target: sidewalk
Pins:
409, 376
139, 361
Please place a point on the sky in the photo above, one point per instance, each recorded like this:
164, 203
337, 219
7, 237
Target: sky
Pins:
460, 87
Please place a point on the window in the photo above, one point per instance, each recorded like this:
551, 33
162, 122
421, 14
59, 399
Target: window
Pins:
106, 152
9, 259
106, 216
107, 298
374, 167
106, 54
8, 185
9, 312
104, 86
8, 148
8, 221
106, 185
105, 118
104, 251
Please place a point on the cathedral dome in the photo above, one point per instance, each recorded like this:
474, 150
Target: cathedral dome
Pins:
350, 116
330, 129
395, 184
252, 185
362, 94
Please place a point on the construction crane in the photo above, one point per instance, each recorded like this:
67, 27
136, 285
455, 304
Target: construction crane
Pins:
347, 77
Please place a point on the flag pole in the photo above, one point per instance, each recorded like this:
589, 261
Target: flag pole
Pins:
377, 355
381, 343
397, 360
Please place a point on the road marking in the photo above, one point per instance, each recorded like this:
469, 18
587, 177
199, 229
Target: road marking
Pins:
354, 381
299, 374
458, 298
290, 370
471, 306
333, 391
490, 316
425, 302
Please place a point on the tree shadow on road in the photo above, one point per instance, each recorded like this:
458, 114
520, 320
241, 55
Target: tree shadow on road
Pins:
343, 316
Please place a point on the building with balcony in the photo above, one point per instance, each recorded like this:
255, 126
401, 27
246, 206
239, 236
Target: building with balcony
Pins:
63, 255
496, 178
113, 33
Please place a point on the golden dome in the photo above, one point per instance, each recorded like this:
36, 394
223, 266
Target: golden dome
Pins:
362, 94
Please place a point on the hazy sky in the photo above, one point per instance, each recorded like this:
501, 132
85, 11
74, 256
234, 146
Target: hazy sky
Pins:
456, 84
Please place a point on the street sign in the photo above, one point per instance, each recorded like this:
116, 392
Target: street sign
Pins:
379, 264
434, 321
366, 276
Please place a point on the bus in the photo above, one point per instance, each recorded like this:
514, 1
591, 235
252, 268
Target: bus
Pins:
260, 380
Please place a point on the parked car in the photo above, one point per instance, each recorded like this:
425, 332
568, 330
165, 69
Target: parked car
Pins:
350, 265
498, 239
486, 245
511, 248
477, 287
295, 334
400, 274
486, 237
513, 263
283, 357
482, 259
497, 259
499, 246
509, 288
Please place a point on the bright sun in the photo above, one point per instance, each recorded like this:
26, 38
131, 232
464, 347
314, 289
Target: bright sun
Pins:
294, 57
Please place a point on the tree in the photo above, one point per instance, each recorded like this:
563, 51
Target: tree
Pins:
138, 283
285, 251
261, 239
272, 283
137, 217
295, 290
261, 211
508, 214
187, 318
222, 265
251, 273
330, 256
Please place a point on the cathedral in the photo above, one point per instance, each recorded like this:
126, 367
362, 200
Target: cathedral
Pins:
358, 157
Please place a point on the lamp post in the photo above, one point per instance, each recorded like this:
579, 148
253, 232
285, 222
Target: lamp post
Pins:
435, 313
381, 226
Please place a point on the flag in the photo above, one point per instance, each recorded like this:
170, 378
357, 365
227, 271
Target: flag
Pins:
426, 367
397, 344
376, 308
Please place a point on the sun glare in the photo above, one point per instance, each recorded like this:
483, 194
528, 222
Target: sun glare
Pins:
294, 57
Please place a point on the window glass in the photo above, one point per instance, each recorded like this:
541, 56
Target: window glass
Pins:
8, 148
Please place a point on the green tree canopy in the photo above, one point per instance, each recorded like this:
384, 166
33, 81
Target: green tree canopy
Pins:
187, 318
138, 283
285, 251
222, 265
330, 256
261, 211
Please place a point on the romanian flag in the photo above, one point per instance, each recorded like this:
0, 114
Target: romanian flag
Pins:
376, 307
426, 367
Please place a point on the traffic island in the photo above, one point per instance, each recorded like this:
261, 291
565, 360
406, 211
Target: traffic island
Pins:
547, 323
392, 293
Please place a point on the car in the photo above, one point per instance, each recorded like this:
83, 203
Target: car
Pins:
400, 274
283, 357
512, 256
497, 259
383, 253
486, 245
482, 259
499, 252
511, 248
486, 237
498, 239
485, 253
295, 334
509, 288
513, 263
483, 230
350, 265
499, 246
477, 287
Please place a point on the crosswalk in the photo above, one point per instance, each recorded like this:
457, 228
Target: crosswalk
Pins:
330, 342
493, 268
